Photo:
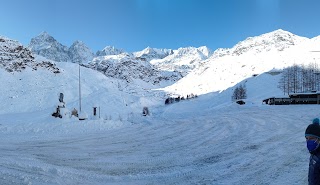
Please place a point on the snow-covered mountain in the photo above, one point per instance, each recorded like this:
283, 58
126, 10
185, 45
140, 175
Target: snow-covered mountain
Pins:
224, 67
15, 57
109, 50
149, 53
47, 46
196, 70
277, 40
111, 61
30, 82
253, 56
207, 72
182, 60
80, 53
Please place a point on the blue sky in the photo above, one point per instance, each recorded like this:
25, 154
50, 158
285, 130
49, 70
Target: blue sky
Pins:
136, 24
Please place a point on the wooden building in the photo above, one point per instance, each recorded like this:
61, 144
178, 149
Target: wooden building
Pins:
277, 101
305, 98
295, 98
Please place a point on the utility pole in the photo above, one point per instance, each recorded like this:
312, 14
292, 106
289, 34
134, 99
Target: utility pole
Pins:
79, 91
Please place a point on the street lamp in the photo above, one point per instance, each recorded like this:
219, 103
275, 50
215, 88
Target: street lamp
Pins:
79, 90
82, 115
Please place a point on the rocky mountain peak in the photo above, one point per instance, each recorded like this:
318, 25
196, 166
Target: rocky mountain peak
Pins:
77, 43
80, 53
109, 50
205, 51
43, 41
45, 35
152, 53
47, 46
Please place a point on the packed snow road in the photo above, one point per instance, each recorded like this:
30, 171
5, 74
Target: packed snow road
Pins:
233, 145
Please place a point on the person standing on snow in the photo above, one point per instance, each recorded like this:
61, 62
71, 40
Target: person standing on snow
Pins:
312, 135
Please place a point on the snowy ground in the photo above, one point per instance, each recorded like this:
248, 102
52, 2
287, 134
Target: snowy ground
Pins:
256, 144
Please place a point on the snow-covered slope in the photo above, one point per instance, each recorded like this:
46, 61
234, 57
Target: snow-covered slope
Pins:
256, 55
38, 90
32, 83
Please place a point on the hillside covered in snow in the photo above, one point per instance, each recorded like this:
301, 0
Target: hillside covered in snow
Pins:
256, 55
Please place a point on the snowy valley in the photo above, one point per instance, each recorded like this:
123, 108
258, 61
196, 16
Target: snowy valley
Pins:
204, 140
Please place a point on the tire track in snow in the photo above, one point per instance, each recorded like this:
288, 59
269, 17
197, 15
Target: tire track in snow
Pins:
237, 146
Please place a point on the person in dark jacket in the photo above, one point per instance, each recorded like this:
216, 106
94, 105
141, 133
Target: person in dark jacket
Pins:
312, 135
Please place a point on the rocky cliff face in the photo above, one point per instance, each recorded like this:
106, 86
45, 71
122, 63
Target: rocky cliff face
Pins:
15, 57
128, 68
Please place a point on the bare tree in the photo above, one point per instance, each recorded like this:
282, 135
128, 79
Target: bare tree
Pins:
243, 92
240, 92
300, 79
283, 82
235, 94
